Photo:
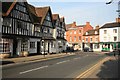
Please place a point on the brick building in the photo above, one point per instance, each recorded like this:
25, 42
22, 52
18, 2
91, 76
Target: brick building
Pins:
74, 34
91, 39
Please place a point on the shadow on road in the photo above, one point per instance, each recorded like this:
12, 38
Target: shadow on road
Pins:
109, 69
5, 62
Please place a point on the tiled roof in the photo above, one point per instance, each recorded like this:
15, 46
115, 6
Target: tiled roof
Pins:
42, 12
81, 25
55, 16
33, 13
91, 32
111, 25
62, 19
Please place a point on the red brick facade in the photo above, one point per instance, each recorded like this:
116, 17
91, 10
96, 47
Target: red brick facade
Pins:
74, 33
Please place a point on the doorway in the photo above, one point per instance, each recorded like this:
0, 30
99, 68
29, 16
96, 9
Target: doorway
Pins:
15, 44
38, 47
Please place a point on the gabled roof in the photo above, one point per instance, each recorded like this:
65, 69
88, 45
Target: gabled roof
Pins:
55, 16
111, 25
91, 32
8, 6
62, 19
42, 12
33, 13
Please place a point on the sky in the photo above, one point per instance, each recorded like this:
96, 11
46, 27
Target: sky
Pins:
82, 11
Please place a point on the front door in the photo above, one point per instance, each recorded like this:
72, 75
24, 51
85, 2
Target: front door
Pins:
15, 44
38, 47
91, 45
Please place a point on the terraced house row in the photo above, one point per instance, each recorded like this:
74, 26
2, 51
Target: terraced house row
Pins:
104, 38
29, 30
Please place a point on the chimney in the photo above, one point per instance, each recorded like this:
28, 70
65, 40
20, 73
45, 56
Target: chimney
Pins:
74, 24
87, 23
97, 27
117, 19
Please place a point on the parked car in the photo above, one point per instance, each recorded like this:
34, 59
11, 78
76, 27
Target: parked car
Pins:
86, 49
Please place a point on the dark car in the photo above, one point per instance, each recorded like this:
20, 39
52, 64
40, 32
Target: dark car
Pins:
86, 49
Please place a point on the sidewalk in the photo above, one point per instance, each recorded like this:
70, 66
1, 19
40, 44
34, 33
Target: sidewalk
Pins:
109, 69
33, 58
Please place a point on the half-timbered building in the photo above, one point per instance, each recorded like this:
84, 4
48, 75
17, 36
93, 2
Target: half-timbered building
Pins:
59, 30
45, 16
17, 29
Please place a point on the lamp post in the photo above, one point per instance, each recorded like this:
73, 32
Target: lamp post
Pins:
82, 44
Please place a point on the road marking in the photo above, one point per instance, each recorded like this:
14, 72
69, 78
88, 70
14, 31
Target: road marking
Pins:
63, 62
77, 58
33, 69
91, 69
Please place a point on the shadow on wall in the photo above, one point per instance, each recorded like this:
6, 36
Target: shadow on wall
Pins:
109, 69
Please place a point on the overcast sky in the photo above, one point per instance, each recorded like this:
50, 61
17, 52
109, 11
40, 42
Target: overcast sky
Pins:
82, 11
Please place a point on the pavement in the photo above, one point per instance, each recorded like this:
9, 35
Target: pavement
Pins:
108, 69
33, 58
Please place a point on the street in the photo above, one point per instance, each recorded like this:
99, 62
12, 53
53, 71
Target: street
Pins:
64, 67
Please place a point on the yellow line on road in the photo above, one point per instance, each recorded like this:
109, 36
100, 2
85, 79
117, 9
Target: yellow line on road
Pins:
88, 71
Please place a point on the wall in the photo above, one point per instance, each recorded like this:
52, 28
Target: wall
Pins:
109, 36
33, 50
118, 34
53, 49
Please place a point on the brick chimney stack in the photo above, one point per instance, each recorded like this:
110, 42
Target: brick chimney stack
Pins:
97, 27
74, 24
87, 23
117, 19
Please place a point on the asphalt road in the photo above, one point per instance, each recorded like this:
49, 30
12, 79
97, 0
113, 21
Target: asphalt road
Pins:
65, 67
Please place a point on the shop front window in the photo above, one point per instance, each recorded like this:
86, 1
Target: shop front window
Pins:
24, 46
4, 46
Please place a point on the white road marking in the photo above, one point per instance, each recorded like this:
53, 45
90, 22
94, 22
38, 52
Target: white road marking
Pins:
62, 62
77, 58
33, 69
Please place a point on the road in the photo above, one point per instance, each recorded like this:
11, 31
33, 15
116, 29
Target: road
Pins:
64, 67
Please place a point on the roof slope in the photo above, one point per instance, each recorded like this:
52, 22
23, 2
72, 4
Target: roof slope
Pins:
33, 13
91, 32
111, 25
55, 16
42, 12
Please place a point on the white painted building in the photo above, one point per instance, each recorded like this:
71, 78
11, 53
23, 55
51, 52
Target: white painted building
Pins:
110, 36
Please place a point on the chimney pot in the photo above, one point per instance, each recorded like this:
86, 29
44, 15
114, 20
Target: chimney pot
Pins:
117, 19
87, 23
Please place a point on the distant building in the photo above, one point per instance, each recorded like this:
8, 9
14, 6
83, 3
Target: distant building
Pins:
91, 39
74, 34
59, 31
110, 36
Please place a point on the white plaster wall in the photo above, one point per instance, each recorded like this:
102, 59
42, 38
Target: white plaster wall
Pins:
118, 34
94, 49
53, 49
33, 50
19, 47
109, 36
